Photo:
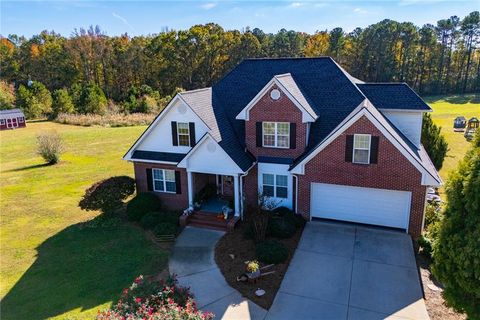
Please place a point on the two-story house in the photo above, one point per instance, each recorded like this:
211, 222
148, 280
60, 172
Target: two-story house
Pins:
301, 131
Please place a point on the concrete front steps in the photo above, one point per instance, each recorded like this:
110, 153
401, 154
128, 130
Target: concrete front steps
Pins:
208, 220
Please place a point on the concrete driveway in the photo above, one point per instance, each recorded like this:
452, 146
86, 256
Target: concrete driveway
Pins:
342, 271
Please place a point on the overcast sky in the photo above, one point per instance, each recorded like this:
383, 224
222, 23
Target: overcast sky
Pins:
147, 17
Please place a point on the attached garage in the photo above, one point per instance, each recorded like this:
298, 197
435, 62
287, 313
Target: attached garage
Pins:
389, 208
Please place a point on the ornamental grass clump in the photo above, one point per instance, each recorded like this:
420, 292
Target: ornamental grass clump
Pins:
49, 147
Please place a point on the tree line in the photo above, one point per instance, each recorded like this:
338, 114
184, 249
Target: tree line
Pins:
137, 74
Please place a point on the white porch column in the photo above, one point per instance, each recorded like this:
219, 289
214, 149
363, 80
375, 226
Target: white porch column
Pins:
190, 188
236, 194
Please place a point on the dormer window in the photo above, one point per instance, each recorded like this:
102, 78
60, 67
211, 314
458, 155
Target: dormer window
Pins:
361, 148
183, 133
276, 134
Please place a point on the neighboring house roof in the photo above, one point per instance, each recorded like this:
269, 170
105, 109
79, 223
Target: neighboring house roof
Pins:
157, 156
11, 113
395, 96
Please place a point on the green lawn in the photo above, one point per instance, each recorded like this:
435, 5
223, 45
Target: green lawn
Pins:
445, 109
58, 261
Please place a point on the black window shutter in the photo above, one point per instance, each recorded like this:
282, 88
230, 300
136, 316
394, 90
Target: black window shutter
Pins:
174, 134
293, 135
178, 183
349, 149
149, 180
374, 150
191, 129
259, 134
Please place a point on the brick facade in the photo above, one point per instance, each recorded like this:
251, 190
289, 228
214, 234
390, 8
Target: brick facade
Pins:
170, 200
250, 185
281, 110
393, 171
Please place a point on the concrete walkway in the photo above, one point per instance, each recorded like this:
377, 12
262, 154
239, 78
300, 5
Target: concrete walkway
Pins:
192, 260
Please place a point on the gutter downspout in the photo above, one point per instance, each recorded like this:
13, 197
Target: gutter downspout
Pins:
241, 189
296, 193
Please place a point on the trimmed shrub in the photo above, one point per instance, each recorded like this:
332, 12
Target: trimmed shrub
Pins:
271, 251
426, 244
142, 204
282, 227
152, 219
49, 147
108, 195
282, 211
165, 229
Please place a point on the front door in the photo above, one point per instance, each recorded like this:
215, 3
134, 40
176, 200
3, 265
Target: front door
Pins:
14, 123
9, 123
227, 186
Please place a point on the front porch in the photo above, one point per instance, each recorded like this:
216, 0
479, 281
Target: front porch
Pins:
215, 200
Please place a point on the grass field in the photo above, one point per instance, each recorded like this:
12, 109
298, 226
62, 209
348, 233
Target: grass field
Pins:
58, 261
445, 110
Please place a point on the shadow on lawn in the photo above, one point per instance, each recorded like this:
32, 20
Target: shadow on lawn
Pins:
455, 99
82, 266
33, 166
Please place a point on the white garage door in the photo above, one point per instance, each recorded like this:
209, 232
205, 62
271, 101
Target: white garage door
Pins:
363, 205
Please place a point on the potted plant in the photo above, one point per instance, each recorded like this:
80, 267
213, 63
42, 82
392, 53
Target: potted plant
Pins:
253, 269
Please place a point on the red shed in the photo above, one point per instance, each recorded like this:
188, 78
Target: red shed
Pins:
12, 119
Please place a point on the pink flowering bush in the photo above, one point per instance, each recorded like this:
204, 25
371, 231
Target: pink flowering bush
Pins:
154, 300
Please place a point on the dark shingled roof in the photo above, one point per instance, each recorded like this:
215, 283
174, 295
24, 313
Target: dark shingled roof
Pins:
393, 96
157, 156
328, 91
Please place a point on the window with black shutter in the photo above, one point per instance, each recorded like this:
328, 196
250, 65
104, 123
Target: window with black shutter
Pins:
174, 134
374, 149
349, 148
293, 135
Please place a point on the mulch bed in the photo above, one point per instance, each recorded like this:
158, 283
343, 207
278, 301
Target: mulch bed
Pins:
434, 301
244, 250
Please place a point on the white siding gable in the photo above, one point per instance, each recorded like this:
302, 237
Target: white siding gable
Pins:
409, 123
159, 138
209, 157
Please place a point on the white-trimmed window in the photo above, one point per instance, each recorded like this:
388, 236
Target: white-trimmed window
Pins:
2, 122
275, 185
361, 148
21, 119
183, 133
164, 180
276, 134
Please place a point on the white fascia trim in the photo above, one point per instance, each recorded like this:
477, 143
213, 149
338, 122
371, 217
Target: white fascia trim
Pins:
300, 168
162, 114
207, 136
152, 161
405, 110
245, 113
